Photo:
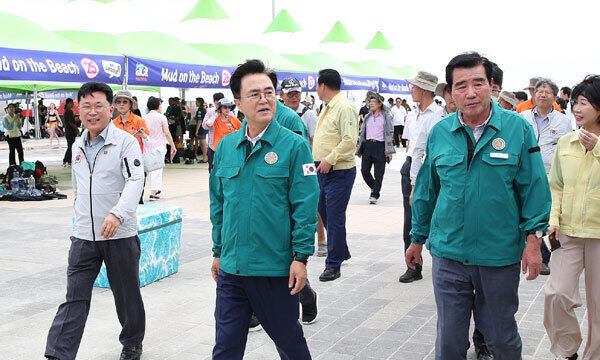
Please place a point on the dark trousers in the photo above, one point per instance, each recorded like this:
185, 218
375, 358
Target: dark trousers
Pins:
398, 130
275, 308
14, 144
70, 140
210, 154
406, 189
336, 187
490, 293
373, 156
122, 259
545, 254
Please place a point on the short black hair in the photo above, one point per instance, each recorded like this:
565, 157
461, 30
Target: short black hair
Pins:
398, 99
589, 88
331, 78
218, 96
153, 103
94, 86
200, 99
253, 66
468, 60
566, 90
497, 74
521, 95
562, 103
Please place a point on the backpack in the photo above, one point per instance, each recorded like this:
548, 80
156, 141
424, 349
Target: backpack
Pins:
40, 170
47, 184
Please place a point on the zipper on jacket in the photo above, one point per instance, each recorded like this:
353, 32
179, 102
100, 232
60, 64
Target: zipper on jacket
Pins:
91, 173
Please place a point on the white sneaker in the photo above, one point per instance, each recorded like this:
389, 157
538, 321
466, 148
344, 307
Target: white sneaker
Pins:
372, 200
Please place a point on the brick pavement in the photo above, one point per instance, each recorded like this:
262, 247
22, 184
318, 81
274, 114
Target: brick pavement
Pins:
366, 314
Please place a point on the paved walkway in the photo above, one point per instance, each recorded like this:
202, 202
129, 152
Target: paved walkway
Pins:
366, 314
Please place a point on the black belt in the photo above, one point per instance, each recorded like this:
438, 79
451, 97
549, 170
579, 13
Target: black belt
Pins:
374, 141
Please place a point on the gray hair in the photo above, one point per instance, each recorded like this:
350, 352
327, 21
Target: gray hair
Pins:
546, 81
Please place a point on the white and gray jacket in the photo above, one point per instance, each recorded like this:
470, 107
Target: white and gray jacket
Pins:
113, 186
558, 126
388, 132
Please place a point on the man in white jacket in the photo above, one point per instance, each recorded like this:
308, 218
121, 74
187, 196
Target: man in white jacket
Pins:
108, 175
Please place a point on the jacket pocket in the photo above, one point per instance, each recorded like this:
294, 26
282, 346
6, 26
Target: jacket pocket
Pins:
449, 169
504, 167
228, 176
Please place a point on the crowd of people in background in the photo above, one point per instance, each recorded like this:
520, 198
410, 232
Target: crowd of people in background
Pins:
493, 181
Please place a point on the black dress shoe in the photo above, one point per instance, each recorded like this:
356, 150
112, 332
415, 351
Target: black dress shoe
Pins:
131, 352
410, 275
330, 274
52, 358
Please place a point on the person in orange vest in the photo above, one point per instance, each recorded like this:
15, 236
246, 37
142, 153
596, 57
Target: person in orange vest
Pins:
529, 104
130, 122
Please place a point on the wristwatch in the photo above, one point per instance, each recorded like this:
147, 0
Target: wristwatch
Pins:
301, 258
538, 233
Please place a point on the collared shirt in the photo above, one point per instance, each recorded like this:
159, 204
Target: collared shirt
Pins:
399, 115
575, 187
478, 131
539, 121
431, 116
92, 148
255, 139
422, 117
132, 125
375, 127
337, 134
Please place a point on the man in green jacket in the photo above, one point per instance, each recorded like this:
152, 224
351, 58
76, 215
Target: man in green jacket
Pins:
264, 195
482, 201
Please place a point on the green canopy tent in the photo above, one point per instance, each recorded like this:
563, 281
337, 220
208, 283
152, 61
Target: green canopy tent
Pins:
406, 71
318, 60
379, 42
283, 22
338, 34
206, 9
100, 1
373, 68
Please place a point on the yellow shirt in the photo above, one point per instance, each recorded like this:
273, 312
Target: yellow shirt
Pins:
575, 187
337, 133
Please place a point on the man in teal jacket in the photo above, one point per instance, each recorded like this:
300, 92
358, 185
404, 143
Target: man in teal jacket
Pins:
264, 196
482, 201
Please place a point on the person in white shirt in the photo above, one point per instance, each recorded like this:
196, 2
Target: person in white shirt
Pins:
291, 92
422, 89
399, 119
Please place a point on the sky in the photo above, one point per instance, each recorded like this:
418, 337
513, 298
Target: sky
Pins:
525, 38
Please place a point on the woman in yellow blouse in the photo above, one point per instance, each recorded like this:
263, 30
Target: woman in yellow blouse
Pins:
575, 221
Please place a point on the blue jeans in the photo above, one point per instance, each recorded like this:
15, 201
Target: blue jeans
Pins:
491, 293
336, 187
275, 308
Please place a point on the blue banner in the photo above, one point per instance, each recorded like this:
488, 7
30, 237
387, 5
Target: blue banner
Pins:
33, 65
4, 95
359, 83
158, 73
389, 86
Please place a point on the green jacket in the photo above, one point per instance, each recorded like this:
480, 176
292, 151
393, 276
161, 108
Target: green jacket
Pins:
264, 207
290, 120
479, 214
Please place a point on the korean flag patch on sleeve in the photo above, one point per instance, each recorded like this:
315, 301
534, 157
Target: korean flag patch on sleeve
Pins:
309, 169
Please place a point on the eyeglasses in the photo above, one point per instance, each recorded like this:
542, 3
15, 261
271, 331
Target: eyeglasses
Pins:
294, 94
88, 108
257, 95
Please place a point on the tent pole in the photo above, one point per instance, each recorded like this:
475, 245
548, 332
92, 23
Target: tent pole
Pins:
36, 120
126, 73
272, 10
